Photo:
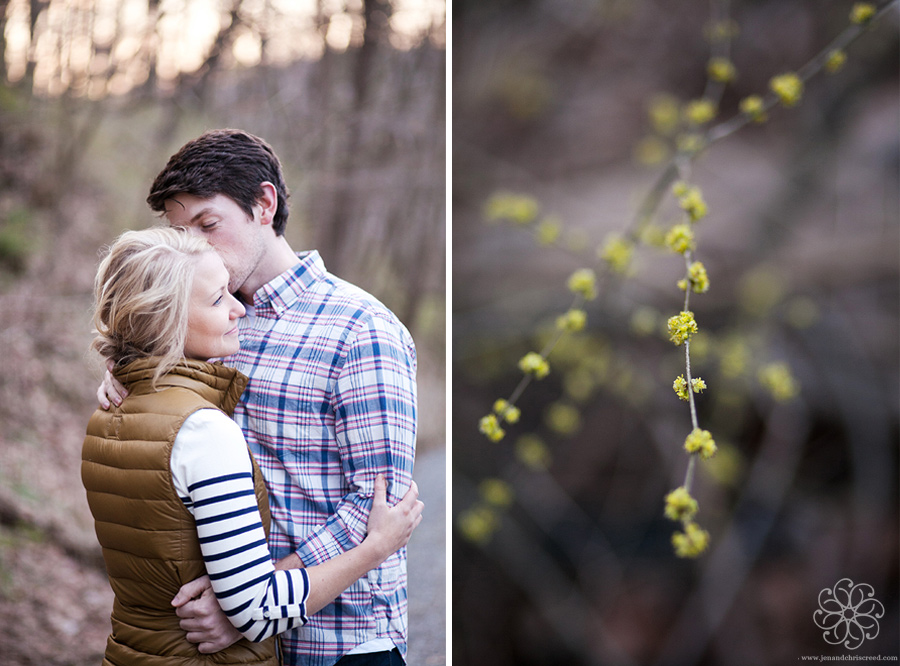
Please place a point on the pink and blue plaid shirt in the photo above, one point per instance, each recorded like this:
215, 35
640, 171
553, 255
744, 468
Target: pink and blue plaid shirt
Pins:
330, 404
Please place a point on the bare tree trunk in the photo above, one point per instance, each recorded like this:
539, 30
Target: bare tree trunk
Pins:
337, 232
152, 54
4, 76
35, 8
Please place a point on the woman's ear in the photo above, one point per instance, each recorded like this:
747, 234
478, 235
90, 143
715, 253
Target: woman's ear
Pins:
267, 202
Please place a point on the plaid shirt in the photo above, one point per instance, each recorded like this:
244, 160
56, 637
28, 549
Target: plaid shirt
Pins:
331, 403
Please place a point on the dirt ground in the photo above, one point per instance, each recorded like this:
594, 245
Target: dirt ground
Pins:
55, 607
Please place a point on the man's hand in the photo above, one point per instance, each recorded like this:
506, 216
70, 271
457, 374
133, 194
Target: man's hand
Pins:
111, 389
202, 618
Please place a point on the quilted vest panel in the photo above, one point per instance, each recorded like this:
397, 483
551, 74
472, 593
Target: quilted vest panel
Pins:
148, 537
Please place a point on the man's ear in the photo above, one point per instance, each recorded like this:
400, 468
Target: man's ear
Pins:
268, 202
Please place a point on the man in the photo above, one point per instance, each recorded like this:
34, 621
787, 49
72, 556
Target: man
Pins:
331, 400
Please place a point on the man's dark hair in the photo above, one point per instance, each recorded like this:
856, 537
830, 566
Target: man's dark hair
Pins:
225, 161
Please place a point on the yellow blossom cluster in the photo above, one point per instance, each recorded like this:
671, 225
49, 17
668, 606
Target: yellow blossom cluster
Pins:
532, 452
835, 61
680, 238
516, 208
692, 542
563, 418
548, 231
862, 12
572, 321
777, 378
478, 524
617, 252
663, 112
680, 505
788, 87
699, 111
721, 70
534, 364
507, 412
584, 282
489, 426
682, 326
680, 387
497, 492
697, 279
754, 108
700, 442
691, 201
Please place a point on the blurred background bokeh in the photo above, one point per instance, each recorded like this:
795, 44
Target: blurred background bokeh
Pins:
561, 553
94, 98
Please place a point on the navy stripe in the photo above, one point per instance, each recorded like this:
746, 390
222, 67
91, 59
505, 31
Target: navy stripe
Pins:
219, 479
241, 588
238, 609
225, 497
229, 515
244, 566
231, 533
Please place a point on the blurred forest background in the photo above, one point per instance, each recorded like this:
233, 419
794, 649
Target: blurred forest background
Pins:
561, 553
94, 97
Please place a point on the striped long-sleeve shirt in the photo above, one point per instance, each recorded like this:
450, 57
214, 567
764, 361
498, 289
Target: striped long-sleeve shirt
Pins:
213, 475
331, 403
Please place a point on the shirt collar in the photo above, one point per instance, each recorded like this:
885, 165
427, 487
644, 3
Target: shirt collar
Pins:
282, 291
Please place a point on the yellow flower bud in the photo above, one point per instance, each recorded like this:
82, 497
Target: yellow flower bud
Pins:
754, 108
490, 427
680, 238
572, 321
616, 252
682, 326
692, 542
517, 208
862, 12
548, 231
534, 364
699, 111
584, 282
563, 418
478, 524
533, 453
721, 70
497, 492
700, 442
680, 505
788, 87
778, 379
663, 114
835, 61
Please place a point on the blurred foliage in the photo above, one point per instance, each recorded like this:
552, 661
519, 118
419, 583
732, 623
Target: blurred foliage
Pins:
800, 245
16, 241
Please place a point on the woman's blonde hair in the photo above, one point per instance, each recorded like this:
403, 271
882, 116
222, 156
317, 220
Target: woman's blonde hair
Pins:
141, 295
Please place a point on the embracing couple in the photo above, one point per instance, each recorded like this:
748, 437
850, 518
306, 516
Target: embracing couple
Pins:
250, 468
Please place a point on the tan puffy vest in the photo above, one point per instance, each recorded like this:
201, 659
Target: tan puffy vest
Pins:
148, 537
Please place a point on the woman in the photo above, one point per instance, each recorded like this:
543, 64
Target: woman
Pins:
170, 481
